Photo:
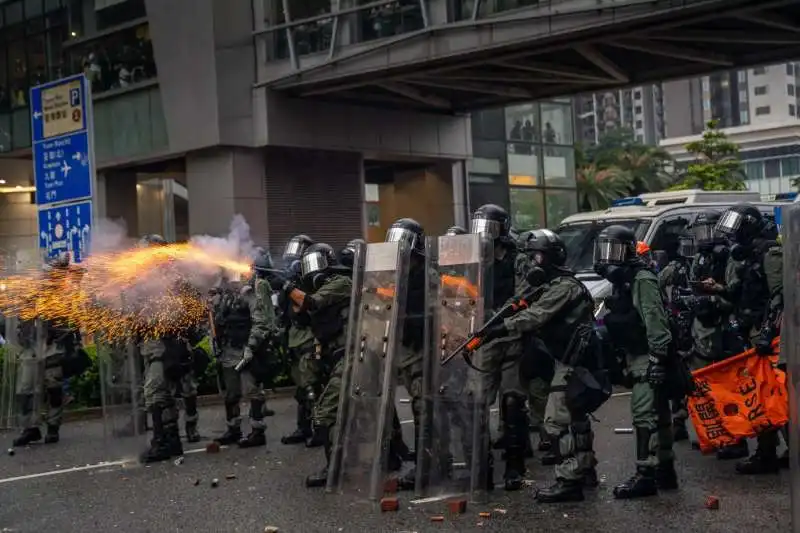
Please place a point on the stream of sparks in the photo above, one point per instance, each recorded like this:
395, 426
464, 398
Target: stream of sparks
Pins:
145, 292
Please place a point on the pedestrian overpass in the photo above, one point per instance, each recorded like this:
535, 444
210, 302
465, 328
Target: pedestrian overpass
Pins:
451, 56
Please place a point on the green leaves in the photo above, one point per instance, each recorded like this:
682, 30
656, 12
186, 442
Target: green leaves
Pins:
716, 166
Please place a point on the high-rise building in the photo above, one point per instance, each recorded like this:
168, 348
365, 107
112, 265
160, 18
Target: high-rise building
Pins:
762, 95
639, 109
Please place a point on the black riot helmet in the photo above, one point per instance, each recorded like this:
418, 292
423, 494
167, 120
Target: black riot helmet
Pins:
615, 254
296, 247
409, 231
455, 230
317, 259
152, 239
686, 245
347, 254
492, 220
741, 223
262, 264
703, 227
544, 247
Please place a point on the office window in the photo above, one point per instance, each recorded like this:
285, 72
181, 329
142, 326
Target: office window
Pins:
772, 168
744, 117
556, 123
790, 166
790, 69
638, 110
761, 90
790, 89
754, 170
762, 110
791, 110
522, 123
707, 104
637, 95
742, 96
741, 76
759, 71
639, 124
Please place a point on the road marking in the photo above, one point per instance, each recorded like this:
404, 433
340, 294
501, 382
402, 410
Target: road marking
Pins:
121, 462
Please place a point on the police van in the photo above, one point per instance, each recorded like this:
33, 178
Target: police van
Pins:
653, 217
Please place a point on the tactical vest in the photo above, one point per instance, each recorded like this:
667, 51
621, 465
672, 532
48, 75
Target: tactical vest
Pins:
235, 321
504, 278
625, 327
559, 333
755, 293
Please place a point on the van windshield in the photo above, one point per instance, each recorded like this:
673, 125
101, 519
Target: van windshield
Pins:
579, 239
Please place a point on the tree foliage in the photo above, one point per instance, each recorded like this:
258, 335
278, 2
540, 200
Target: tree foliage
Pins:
620, 165
716, 165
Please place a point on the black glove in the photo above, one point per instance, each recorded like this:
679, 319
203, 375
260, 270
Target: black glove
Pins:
496, 331
656, 371
763, 346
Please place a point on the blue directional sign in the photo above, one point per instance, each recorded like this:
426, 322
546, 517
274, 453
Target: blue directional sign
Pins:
63, 163
66, 228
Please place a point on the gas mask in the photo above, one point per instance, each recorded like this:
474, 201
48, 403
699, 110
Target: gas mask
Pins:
616, 274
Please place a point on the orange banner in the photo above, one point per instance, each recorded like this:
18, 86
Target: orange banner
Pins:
737, 398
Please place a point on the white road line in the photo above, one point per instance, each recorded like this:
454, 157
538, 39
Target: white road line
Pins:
121, 462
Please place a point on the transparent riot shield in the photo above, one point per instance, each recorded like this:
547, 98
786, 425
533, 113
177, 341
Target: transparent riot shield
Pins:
23, 376
121, 382
8, 378
790, 341
350, 349
453, 448
365, 425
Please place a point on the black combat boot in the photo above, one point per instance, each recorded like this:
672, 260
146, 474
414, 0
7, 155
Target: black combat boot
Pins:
561, 491
666, 476
761, 462
303, 430
232, 435
590, 480
739, 450
320, 479
545, 443
52, 436
28, 436
159, 446
257, 436
190, 404
172, 435
315, 441
643, 482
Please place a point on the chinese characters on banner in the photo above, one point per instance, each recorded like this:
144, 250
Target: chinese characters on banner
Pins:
738, 398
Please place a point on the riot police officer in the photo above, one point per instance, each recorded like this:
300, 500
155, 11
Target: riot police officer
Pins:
508, 281
306, 372
749, 292
348, 253
637, 323
560, 310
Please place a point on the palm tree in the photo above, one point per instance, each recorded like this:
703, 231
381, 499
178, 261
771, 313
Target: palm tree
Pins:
647, 166
598, 187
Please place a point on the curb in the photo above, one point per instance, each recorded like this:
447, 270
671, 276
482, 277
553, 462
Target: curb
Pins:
209, 400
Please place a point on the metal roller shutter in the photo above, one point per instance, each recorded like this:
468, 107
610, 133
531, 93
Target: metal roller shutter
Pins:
319, 193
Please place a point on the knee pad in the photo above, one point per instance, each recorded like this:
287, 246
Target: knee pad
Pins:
513, 409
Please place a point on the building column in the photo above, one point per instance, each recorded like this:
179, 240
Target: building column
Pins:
222, 183
117, 199
461, 213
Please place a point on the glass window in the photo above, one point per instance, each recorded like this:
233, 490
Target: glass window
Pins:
490, 149
789, 69
744, 117
707, 104
637, 95
761, 90
33, 8
759, 71
556, 124
790, 89
639, 124
524, 169
488, 124
560, 205
55, 54
314, 35
37, 59
115, 61
52, 5
741, 76
772, 168
742, 96
481, 193
790, 166
522, 123
116, 13
754, 170
13, 12
527, 208
791, 109
391, 18
17, 74
637, 110
559, 166
762, 110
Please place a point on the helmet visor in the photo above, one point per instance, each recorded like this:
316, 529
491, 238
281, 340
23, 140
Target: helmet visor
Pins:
313, 262
484, 225
294, 248
703, 233
402, 235
686, 246
610, 251
730, 223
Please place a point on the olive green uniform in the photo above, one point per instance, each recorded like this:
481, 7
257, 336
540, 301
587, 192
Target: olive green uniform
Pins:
552, 317
306, 372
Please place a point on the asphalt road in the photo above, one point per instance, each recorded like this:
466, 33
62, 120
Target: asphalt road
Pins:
66, 488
